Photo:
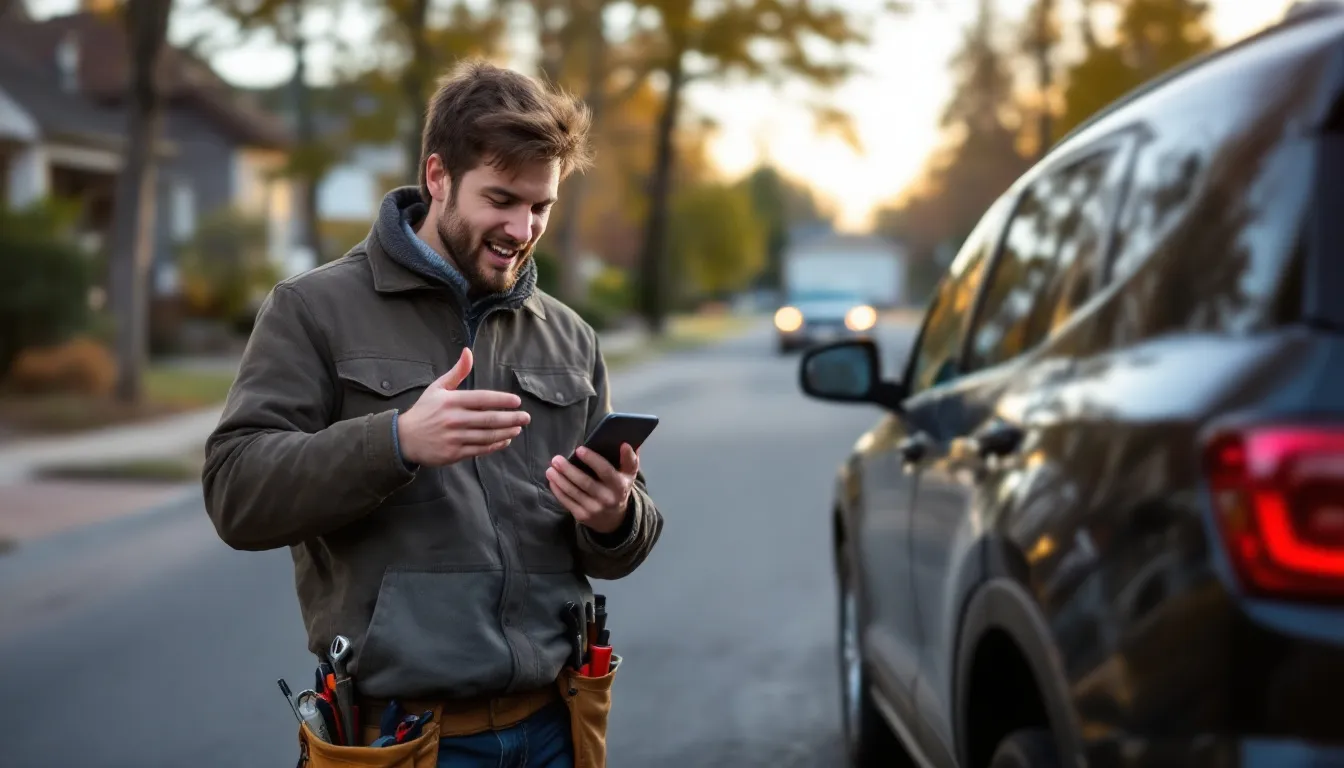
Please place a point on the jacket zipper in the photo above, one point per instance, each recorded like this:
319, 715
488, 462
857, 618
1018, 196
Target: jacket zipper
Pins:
489, 510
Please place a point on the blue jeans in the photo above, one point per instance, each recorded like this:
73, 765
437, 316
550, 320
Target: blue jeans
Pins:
541, 741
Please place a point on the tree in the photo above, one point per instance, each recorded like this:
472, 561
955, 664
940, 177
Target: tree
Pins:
132, 237
1041, 42
978, 161
758, 38
428, 50
780, 204
312, 157
718, 243
1153, 36
574, 53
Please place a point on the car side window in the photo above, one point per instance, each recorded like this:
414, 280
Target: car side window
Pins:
935, 361
1051, 255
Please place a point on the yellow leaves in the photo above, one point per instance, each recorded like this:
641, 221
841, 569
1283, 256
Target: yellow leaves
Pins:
835, 121
716, 238
1153, 36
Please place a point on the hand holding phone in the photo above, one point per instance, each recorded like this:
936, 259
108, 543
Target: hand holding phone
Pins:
615, 430
599, 501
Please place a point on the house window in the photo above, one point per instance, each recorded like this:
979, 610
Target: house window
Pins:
183, 211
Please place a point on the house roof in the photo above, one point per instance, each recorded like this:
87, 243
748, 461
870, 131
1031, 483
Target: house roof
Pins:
58, 113
104, 70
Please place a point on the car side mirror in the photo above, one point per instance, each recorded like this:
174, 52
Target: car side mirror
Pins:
848, 372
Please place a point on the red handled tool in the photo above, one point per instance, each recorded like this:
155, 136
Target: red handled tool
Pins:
599, 663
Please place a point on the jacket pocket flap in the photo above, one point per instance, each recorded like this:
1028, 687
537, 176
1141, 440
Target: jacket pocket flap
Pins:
557, 387
385, 376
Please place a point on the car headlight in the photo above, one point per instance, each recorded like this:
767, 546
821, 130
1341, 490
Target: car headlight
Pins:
788, 319
861, 318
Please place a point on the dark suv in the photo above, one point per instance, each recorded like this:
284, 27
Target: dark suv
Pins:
1102, 521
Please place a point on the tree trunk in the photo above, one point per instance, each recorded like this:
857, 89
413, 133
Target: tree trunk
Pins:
1044, 72
1085, 21
572, 287
413, 84
306, 137
653, 263
132, 240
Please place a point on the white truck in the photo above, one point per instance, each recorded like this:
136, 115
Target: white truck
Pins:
834, 286
869, 267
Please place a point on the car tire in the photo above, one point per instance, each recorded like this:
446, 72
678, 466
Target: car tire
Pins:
869, 741
1026, 749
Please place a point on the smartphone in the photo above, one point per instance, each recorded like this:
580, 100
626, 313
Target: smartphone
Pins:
614, 430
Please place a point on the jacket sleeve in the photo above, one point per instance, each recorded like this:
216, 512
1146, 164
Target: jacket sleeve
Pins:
616, 555
277, 470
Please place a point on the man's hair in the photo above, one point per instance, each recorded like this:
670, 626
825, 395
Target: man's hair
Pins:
484, 113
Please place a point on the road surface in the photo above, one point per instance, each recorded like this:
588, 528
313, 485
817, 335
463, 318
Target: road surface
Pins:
147, 642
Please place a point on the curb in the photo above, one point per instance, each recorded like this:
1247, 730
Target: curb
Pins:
94, 533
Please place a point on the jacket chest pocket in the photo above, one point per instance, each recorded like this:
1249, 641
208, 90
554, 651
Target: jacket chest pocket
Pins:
371, 385
377, 384
558, 401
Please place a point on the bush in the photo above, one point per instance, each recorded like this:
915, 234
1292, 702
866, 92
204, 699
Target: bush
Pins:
80, 366
548, 272
225, 269
609, 299
45, 279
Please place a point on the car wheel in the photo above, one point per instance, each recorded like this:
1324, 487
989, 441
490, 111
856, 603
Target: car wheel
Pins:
1026, 749
868, 739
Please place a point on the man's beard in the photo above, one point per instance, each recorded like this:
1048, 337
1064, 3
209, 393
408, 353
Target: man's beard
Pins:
465, 251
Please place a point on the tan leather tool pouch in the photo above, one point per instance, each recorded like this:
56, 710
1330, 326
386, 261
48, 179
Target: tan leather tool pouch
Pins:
423, 752
589, 702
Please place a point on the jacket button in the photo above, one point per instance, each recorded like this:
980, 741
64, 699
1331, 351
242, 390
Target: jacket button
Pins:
387, 385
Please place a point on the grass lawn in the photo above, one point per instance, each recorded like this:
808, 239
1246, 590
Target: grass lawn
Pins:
167, 391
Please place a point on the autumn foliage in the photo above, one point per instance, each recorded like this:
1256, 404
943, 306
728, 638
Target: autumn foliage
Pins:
1012, 88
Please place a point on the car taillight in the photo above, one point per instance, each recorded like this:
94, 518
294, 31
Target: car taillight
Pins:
1278, 494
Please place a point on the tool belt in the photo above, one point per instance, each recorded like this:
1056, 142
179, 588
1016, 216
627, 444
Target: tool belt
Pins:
338, 728
588, 700
464, 717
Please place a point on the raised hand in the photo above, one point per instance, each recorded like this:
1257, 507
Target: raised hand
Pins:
446, 426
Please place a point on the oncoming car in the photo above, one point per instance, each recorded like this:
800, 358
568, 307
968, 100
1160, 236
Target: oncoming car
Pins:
821, 315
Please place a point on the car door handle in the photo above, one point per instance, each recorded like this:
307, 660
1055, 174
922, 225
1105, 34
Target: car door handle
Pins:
914, 448
998, 439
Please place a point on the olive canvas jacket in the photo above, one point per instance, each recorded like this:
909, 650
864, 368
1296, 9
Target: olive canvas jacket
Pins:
450, 581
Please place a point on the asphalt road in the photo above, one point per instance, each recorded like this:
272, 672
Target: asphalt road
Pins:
148, 642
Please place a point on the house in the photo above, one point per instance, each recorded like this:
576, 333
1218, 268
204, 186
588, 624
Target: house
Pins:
54, 143
218, 149
349, 193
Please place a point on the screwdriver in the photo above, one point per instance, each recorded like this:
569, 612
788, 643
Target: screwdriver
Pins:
289, 698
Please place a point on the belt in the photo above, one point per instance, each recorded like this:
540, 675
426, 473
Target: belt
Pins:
462, 717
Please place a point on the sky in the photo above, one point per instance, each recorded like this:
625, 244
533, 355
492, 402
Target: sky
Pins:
894, 102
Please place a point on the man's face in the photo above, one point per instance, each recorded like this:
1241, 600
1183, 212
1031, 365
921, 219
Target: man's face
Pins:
491, 225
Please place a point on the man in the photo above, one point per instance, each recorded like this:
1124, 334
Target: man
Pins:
401, 420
